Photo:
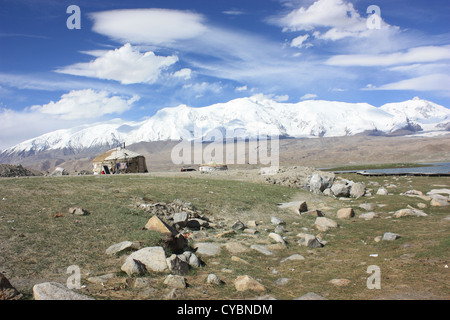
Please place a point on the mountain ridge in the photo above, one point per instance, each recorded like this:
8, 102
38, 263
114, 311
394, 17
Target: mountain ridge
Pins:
247, 117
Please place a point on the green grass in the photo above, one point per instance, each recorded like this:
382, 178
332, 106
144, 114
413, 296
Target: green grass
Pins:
36, 246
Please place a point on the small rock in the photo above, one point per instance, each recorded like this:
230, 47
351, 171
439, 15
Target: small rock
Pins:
238, 225
177, 265
175, 281
340, 189
323, 223
78, 211
213, 279
389, 236
207, 248
154, 258
282, 281
367, 206
262, 249
345, 213
382, 191
294, 257
409, 212
277, 221
276, 237
314, 213
309, 240
252, 224
118, 247
133, 267
367, 216
192, 259
340, 282
180, 218
101, 279
244, 283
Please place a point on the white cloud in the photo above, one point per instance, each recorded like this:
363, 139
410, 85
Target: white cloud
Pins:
243, 88
298, 42
309, 96
148, 26
433, 82
126, 65
85, 104
184, 73
282, 98
413, 55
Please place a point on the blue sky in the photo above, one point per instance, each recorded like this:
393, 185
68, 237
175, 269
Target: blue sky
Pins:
130, 59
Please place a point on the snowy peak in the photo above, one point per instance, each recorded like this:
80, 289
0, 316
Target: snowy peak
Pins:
247, 118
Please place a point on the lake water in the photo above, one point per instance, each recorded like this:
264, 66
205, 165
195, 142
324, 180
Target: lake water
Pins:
441, 167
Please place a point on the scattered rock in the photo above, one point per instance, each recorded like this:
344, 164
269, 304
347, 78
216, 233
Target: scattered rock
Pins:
7, 291
101, 279
78, 211
389, 236
238, 225
294, 257
178, 266
236, 247
154, 258
262, 249
207, 248
118, 247
192, 259
357, 190
367, 206
340, 189
175, 281
314, 213
309, 240
345, 213
244, 283
282, 281
277, 221
382, 191
340, 282
409, 212
56, 291
133, 267
180, 219
276, 237
368, 216
323, 223
438, 200
156, 224
213, 279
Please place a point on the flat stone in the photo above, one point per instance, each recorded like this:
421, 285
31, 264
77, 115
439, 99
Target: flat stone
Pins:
294, 257
367, 216
56, 291
277, 221
276, 237
207, 248
262, 249
323, 223
236, 247
116, 248
389, 236
340, 282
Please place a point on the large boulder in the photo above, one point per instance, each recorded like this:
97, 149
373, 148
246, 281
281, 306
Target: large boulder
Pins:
244, 283
340, 189
323, 223
357, 190
154, 258
318, 183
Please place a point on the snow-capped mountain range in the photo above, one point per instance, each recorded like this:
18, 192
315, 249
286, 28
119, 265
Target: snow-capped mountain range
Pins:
247, 118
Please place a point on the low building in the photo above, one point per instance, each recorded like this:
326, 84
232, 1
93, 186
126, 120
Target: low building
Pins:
119, 160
